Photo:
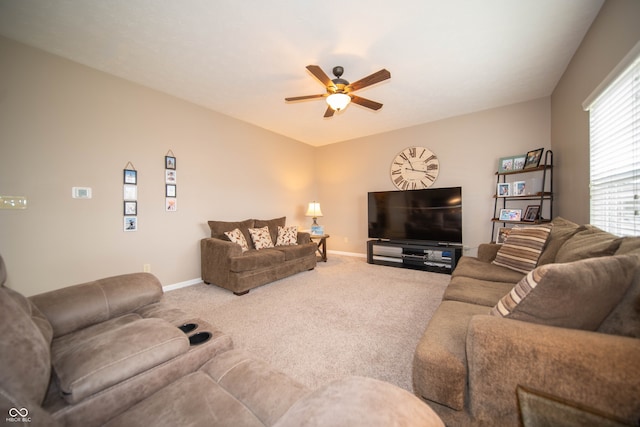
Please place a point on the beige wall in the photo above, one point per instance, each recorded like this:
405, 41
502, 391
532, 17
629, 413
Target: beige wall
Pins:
64, 125
468, 148
613, 33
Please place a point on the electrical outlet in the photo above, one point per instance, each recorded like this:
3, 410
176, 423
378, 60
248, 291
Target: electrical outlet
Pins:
146, 268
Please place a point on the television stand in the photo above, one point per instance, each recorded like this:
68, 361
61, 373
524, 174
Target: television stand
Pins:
438, 258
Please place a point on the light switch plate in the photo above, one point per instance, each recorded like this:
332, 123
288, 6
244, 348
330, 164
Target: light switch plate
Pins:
13, 202
81, 192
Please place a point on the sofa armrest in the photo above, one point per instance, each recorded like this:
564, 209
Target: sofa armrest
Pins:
596, 371
303, 237
76, 307
215, 259
487, 251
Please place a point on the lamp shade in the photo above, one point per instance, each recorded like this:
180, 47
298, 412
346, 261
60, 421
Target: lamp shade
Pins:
338, 101
314, 210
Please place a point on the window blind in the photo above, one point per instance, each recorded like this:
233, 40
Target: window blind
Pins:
614, 127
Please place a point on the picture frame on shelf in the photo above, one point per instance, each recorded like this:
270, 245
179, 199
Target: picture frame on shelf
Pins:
510, 214
130, 208
531, 213
519, 188
533, 158
505, 164
130, 176
504, 189
502, 234
519, 162
169, 162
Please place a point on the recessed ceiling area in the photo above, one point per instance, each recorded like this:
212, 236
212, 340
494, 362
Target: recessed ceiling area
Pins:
242, 58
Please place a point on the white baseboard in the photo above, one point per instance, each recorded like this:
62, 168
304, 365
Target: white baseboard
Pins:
354, 254
196, 281
181, 285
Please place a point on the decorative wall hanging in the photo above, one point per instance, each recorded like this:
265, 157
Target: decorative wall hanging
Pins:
130, 196
170, 181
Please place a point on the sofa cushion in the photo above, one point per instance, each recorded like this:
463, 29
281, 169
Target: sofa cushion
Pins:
589, 242
236, 236
440, 361
115, 355
219, 227
261, 238
287, 236
562, 231
473, 267
254, 259
629, 245
577, 295
273, 225
624, 319
359, 401
474, 291
521, 250
293, 252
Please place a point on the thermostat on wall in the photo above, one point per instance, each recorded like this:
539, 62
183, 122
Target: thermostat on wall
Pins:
81, 192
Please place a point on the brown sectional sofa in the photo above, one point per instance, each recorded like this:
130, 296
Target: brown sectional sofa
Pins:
569, 355
112, 353
224, 264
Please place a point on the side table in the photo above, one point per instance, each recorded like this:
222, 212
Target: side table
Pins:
322, 245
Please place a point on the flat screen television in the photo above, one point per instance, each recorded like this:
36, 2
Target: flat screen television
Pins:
432, 215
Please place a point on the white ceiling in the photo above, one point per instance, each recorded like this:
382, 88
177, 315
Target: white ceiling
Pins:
242, 58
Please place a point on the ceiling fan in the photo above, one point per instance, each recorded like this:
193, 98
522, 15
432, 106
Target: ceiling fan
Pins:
339, 90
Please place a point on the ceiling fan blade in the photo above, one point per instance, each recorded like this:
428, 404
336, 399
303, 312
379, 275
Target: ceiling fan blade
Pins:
300, 98
329, 112
370, 80
321, 75
366, 102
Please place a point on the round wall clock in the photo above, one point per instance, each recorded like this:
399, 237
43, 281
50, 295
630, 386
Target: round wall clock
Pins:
414, 168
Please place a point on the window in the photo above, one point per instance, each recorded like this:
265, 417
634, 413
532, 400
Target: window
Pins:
614, 127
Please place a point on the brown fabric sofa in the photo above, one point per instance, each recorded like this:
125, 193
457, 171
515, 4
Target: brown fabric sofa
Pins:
110, 352
224, 263
569, 356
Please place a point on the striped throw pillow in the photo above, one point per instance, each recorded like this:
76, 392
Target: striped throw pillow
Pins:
521, 250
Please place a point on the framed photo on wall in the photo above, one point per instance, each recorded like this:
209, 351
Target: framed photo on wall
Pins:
130, 176
130, 223
170, 190
169, 162
130, 208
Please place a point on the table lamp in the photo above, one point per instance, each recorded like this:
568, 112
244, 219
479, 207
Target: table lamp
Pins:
314, 212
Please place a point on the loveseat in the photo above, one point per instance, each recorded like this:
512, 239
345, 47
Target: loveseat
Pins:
240, 256
556, 342
111, 352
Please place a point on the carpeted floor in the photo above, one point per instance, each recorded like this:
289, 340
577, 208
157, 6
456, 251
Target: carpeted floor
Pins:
345, 317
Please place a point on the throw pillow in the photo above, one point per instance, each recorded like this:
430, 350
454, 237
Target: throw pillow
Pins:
287, 236
236, 236
261, 237
273, 225
521, 250
589, 242
577, 295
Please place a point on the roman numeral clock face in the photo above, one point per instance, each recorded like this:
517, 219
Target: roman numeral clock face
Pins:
414, 168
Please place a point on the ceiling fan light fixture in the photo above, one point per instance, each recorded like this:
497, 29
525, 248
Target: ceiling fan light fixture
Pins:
338, 100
